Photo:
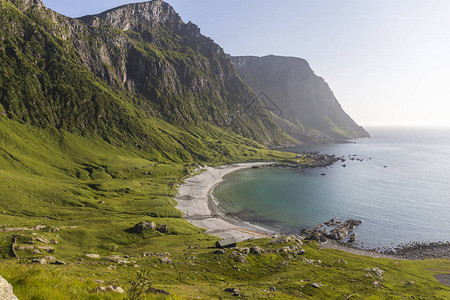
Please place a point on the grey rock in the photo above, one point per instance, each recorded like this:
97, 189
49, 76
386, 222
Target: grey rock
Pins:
257, 250
40, 261
6, 290
377, 271
166, 260
316, 285
233, 291
158, 291
111, 288
301, 252
162, 228
142, 226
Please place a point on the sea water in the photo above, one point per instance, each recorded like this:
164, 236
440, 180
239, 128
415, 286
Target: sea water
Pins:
400, 189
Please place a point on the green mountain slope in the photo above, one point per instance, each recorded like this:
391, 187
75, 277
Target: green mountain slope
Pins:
305, 104
59, 72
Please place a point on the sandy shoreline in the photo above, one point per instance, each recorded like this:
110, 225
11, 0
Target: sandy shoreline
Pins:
194, 200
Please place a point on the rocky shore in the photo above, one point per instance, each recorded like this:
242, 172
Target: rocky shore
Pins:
339, 235
421, 250
313, 160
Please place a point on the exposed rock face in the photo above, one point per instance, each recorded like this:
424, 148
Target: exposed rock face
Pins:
303, 101
6, 290
338, 232
342, 230
110, 73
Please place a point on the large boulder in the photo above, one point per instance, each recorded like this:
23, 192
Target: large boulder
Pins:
342, 230
6, 290
111, 288
139, 227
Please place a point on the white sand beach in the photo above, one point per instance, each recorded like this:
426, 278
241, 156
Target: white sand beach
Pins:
195, 200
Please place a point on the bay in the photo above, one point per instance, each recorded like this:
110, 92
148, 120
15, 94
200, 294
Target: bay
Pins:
401, 189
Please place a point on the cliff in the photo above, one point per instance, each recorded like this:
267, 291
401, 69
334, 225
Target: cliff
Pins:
119, 73
304, 102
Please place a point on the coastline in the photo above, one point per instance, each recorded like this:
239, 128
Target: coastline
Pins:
195, 201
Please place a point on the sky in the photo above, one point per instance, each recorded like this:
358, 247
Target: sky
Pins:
387, 61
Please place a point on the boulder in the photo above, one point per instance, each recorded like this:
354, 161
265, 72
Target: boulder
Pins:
352, 238
166, 260
241, 259
257, 250
342, 230
316, 285
93, 255
6, 290
40, 261
42, 240
111, 288
301, 252
233, 291
162, 228
49, 249
158, 291
317, 236
377, 271
282, 240
142, 226
220, 251
25, 248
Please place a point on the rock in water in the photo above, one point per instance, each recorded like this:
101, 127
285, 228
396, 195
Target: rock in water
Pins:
342, 230
6, 290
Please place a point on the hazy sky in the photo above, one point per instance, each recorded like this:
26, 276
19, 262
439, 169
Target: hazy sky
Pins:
387, 61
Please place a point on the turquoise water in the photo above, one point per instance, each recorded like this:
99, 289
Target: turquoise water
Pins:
408, 200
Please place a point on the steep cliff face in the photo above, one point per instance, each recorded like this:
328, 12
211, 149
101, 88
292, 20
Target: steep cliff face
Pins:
111, 73
307, 107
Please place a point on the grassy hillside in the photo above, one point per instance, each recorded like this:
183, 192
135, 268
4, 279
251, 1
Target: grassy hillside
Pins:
87, 152
89, 194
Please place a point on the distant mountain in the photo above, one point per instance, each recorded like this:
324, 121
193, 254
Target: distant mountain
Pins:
304, 103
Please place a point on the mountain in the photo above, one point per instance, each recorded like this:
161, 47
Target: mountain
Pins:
304, 103
136, 75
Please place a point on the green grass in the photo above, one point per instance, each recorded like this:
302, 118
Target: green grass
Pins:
209, 274
95, 193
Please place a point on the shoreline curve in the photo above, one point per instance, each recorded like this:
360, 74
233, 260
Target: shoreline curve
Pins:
196, 202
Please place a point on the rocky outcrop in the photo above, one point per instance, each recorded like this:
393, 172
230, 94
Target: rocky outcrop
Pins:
304, 103
342, 230
331, 230
6, 290
143, 226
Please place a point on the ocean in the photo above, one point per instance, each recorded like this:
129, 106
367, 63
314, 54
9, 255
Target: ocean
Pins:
400, 189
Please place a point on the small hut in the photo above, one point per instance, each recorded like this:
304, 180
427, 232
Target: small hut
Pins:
226, 243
